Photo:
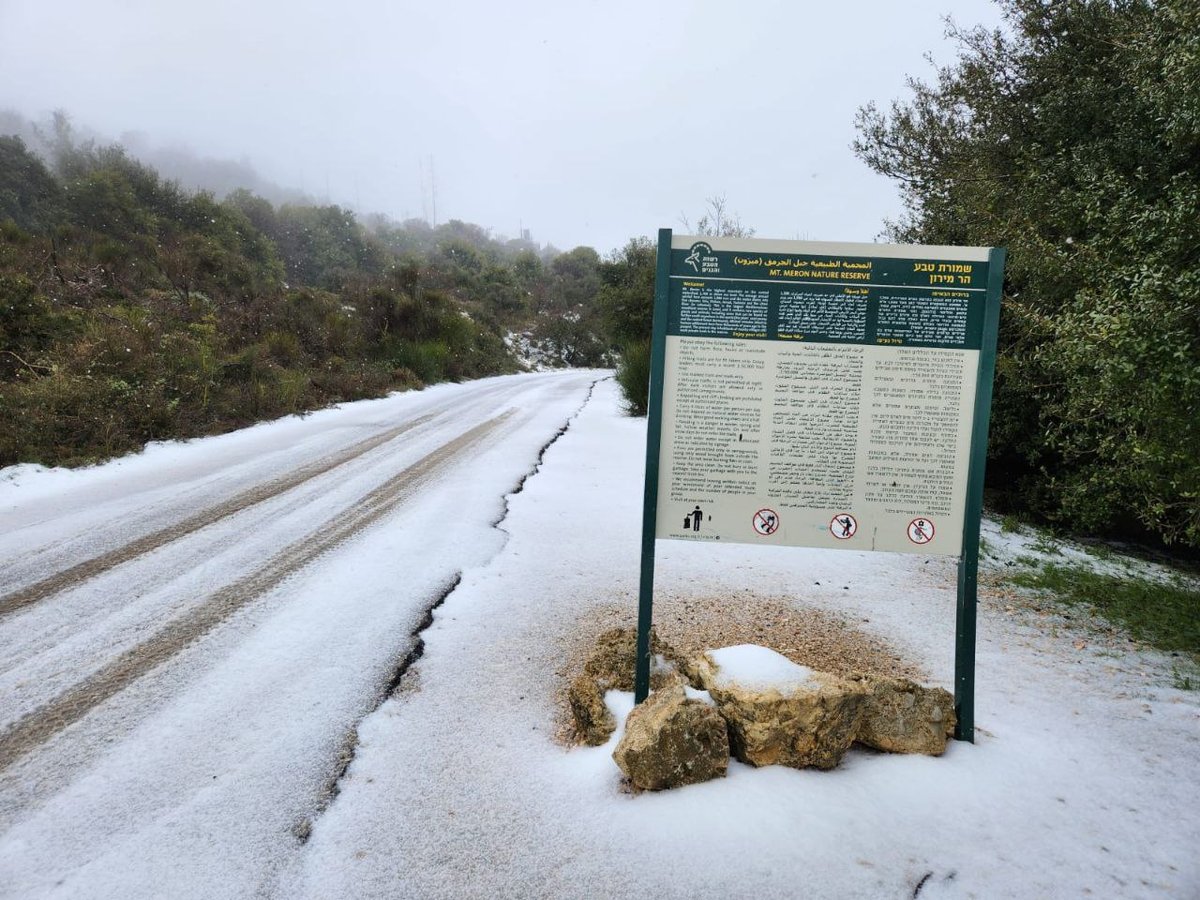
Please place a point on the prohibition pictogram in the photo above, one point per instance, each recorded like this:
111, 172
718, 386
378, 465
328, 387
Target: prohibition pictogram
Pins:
920, 531
843, 526
766, 521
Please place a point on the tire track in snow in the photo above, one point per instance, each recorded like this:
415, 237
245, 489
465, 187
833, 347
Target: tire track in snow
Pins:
98, 565
303, 829
40, 725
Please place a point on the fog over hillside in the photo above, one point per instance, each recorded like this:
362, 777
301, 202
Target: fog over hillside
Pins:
175, 162
584, 123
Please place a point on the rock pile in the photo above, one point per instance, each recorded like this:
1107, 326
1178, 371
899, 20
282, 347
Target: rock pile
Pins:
611, 668
753, 702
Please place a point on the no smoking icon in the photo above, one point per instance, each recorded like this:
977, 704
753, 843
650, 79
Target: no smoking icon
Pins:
920, 531
766, 521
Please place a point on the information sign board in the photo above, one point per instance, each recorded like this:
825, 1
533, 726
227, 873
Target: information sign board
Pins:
806, 384
822, 395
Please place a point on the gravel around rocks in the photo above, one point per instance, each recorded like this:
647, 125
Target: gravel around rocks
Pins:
692, 624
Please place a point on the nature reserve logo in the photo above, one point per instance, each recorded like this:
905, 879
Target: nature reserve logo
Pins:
702, 260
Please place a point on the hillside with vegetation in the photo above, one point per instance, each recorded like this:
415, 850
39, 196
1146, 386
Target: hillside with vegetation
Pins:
132, 310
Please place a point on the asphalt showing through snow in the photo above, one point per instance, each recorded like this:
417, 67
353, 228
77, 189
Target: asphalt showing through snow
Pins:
69, 707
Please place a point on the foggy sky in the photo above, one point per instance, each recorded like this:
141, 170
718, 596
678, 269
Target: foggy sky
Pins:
586, 122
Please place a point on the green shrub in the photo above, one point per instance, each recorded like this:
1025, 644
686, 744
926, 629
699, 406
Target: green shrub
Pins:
633, 375
426, 359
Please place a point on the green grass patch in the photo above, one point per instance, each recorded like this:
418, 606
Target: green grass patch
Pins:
1104, 553
1163, 614
1046, 545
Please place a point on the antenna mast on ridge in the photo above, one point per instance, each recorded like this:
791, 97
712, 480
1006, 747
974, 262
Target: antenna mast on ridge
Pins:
433, 189
428, 213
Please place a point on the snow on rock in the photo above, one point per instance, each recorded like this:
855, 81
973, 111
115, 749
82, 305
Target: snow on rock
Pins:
611, 667
779, 712
703, 696
759, 669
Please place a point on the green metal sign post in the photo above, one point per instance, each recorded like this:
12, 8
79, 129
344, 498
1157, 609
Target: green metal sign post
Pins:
822, 395
658, 341
968, 563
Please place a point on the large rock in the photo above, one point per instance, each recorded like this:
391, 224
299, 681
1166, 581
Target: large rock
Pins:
610, 667
901, 716
780, 712
670, 741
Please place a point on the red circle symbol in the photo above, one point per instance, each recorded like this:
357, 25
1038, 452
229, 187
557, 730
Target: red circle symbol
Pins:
766, 521
920, 531
843, 526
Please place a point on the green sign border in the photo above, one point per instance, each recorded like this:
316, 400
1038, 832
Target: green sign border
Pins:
968, 565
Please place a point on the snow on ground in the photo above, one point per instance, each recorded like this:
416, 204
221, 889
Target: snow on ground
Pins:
197, 779
1082, 781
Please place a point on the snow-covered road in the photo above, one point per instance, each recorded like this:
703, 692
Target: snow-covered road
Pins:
227, 617
189, 637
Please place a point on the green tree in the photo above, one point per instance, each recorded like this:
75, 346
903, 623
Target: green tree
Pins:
131, 309
627, 291
1073, 139
530, 274
29, 195
627, 305
258, 212
325, 247
575, 278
